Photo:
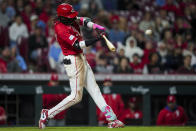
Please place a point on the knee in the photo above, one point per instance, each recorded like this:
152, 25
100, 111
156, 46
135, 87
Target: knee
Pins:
76, 97
79, 96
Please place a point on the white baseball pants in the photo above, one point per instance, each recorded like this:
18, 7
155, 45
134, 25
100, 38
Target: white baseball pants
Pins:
80, 75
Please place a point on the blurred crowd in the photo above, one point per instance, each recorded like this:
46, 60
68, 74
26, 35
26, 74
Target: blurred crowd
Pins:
28, 44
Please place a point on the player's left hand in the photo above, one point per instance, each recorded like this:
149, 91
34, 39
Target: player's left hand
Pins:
100, 32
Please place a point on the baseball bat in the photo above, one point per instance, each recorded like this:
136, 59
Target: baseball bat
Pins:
109, 44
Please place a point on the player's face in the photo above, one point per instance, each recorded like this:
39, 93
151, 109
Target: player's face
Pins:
171, 105
132, 105
55, 83
107, 83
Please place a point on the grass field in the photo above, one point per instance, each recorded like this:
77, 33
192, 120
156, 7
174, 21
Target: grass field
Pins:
128, 128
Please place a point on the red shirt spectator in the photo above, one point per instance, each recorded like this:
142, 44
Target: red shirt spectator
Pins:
132, 112
172, 115
136, 65
32, 3
3, 66
26, 20
51, 100
170, 7
147, 51
180, 43
181, 46
5, 59
115, 102
186, 68
3, 116
26, 14
129, 114
137, 68
45, 15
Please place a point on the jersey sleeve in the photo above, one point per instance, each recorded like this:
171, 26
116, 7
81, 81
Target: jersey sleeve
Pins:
64, 35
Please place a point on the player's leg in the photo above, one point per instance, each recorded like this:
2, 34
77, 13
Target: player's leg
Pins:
75, 72
73, 98
95, 93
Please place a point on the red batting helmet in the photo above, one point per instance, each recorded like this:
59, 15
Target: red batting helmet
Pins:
66, 10
107, 79
171, 99
133, 100
54, 77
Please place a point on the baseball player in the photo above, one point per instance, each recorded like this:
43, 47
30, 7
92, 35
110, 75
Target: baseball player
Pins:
78, 70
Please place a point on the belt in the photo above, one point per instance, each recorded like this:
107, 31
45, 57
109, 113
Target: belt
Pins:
66, 61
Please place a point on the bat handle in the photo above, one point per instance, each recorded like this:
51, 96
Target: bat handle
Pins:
104, 37
109, 44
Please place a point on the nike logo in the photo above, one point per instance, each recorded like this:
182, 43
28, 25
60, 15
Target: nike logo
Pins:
43, 117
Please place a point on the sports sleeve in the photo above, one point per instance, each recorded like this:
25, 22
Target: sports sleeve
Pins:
85, 21
85, 43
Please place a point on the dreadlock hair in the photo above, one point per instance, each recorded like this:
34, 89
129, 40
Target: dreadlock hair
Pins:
66, 21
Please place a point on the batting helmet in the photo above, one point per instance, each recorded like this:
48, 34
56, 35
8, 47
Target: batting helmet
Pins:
171, 99
66, 10
54, 77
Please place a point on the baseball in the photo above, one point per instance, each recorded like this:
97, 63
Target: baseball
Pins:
148, 32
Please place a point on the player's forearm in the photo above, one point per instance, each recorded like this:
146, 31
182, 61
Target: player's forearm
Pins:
88, 23
85, 43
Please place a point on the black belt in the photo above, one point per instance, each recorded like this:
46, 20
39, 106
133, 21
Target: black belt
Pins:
66, 61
